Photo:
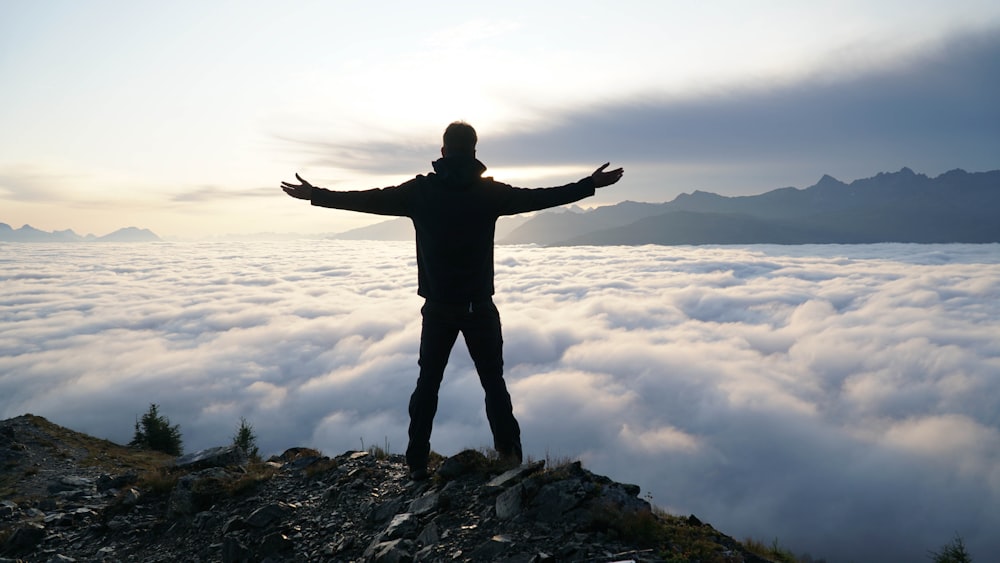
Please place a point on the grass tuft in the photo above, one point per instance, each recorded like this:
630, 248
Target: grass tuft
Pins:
321, 467
256, 473
159, 481
773, 552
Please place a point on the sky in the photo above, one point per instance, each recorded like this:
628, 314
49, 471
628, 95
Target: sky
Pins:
184, 117
840, 399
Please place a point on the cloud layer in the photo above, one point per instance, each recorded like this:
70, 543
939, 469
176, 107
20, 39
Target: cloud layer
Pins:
841, 398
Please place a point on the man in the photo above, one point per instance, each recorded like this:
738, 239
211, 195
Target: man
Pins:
454, 212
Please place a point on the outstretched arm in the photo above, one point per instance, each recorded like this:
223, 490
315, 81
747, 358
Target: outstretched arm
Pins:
381, 201
298, 191
602, 178
522, 200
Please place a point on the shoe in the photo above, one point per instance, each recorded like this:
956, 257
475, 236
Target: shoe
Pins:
512, 458
419, 474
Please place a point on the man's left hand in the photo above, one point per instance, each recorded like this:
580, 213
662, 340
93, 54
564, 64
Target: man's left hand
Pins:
602, 178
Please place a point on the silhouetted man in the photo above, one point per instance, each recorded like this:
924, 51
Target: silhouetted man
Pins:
454, 212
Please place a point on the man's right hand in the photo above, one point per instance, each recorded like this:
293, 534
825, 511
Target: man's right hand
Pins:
298, 191
602, 178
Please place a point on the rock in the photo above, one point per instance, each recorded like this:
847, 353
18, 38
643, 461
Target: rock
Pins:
234, 524
461, 464
268, 515
396, 551
555, 499
7, 508
70, 483
130, 497
303, 462
275, 543
221, 456
205, 520
292, 454
107, 482
24, 539
182, 497
426, 503
622, 499
509, 503
192, 490
491, 549
119, 523
386, 510
402, 526
514, 475
233, 551
430, 535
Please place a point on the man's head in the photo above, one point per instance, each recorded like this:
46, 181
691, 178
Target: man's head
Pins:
459, 140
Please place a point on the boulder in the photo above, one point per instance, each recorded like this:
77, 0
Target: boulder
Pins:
221, 456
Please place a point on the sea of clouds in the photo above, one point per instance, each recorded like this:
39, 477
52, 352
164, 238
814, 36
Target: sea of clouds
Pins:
842, 399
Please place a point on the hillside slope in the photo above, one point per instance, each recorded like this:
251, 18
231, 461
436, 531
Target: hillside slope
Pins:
68, 497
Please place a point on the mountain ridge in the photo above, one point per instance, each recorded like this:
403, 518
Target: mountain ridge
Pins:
27, 233
68, 497
903, 206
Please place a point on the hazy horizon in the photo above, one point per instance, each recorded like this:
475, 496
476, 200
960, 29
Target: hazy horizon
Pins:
582, 205
840, 398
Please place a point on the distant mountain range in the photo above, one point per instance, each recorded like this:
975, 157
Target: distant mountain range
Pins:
27, 233
955, 207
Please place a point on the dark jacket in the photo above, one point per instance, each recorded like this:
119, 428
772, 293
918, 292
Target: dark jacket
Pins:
454, 211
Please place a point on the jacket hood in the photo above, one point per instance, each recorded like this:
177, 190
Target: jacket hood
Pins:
458, 171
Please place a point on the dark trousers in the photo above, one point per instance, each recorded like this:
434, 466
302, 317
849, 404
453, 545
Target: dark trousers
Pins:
479, 323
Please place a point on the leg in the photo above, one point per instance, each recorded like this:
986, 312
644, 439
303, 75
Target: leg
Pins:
484, 338
437, 336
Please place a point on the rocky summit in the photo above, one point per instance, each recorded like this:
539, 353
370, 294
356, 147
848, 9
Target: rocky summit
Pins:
67, 496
